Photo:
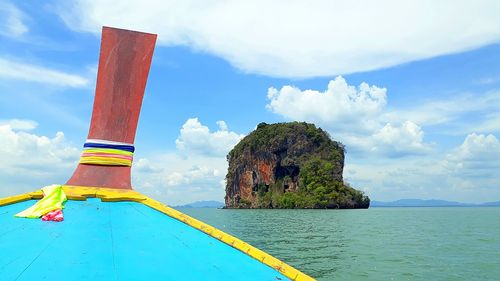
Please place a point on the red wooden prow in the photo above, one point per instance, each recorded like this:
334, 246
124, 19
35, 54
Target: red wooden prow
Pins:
121, 78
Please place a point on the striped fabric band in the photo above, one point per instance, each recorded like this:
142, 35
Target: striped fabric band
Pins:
109, 153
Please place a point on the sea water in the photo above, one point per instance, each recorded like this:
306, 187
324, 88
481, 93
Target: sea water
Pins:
442, 243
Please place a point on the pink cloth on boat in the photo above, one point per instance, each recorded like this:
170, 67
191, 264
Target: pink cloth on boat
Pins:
55, 215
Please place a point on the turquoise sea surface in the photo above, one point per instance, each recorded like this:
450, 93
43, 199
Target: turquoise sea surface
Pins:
441, 243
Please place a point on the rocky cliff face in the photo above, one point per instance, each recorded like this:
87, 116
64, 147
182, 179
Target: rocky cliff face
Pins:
289, 165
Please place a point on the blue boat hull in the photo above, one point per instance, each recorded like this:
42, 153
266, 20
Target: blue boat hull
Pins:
117, 241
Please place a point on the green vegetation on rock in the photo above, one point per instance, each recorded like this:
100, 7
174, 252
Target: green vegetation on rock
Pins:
289, 165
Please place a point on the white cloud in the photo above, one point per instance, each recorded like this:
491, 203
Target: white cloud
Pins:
299, 38
353, 115
193, 174
466, 173
339, 106
392, 140
451, 108
178, 179
29, 161
477, 156
22, 149
196, 138
195, 171
411, 177
21, 71
19, 124
143, 165
11, 21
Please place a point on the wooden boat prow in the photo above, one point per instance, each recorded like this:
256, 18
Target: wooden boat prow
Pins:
110, 231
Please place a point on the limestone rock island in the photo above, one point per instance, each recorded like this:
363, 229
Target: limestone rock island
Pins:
289, 165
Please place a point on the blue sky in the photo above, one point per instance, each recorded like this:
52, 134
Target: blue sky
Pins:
412, 90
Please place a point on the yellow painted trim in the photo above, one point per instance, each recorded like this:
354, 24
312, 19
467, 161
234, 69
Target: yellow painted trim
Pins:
21, 197
105, 194
14, 199
114, 195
